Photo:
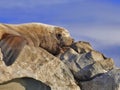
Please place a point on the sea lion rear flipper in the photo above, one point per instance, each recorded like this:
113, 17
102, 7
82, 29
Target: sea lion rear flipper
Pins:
11, 46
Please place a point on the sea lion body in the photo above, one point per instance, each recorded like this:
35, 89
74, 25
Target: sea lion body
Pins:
14, 37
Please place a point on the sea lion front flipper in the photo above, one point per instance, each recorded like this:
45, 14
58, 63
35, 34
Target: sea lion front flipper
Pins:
11, 46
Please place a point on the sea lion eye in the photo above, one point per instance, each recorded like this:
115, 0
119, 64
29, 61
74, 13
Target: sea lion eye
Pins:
59, 36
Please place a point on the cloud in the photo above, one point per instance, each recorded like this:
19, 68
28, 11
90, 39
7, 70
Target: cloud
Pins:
104, 35
92, 21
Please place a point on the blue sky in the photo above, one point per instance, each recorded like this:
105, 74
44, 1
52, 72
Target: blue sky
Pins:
95, 21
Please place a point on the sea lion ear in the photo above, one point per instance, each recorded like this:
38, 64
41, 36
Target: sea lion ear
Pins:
11, 46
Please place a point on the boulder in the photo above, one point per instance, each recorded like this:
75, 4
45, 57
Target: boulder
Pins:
77, 67
107, 81
40, 65
93, 70
85, 64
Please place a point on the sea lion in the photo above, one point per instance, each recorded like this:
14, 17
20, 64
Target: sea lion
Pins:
13, 37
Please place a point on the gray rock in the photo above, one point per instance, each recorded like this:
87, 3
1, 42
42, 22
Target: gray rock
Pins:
107, 81
95, 69
86, 65
69, 57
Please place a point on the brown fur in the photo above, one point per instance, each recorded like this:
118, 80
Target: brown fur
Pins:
39, 35
49, 37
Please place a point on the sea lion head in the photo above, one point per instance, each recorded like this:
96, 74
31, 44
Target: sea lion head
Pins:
63, 36
54, 38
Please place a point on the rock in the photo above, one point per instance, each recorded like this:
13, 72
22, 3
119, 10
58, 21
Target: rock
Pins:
24, 84
93, 70
69, 58
40, 65
82, 47
95, 55
77, 67
107, 81
12, 86
86, 65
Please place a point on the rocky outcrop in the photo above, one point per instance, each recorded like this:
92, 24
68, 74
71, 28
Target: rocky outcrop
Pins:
91, 69
77, 67
107, 81
38, 64
84, 62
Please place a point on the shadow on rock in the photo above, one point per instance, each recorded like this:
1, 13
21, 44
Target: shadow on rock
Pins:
24, 84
